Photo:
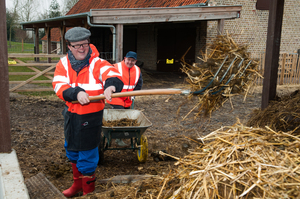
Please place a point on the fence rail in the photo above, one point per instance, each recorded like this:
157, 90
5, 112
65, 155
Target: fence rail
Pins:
288, 70
36, 72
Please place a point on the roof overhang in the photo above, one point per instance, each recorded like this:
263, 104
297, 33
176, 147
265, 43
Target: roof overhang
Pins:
140, 15
153, 15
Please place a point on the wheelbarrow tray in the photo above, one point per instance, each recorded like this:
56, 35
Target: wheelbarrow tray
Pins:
125, 131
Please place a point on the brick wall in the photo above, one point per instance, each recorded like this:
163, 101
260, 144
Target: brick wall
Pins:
251, 27
201, 32
147, 45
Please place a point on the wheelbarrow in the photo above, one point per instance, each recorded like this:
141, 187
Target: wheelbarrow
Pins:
138, 141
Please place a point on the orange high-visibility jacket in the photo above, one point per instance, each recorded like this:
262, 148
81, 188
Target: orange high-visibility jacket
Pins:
130, 78
90, 79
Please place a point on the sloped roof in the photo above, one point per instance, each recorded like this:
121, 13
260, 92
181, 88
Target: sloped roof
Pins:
86, 5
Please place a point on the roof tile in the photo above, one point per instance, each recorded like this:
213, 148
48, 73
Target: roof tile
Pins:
85, 5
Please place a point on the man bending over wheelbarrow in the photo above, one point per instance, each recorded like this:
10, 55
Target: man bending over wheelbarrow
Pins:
132, 78
77, 76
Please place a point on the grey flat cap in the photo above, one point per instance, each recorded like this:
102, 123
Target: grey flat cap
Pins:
77, 34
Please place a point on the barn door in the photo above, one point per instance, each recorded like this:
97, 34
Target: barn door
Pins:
172, 43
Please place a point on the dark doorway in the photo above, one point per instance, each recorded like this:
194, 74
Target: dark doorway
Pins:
129, 39
172, 43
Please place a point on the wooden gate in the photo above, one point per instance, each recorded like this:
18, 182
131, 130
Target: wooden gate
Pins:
288, 70
48, 72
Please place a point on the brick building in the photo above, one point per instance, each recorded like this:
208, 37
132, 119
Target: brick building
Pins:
161, 44
252, 26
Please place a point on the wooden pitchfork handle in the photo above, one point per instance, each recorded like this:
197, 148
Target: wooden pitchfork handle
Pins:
168, 91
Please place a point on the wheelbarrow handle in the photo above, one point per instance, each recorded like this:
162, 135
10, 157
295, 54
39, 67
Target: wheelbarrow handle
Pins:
168, 91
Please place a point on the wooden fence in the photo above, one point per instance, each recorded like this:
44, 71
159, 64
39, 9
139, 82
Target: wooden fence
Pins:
48, 72
288, 70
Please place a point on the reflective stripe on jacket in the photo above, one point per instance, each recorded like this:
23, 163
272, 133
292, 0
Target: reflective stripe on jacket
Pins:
91, 79
130, 78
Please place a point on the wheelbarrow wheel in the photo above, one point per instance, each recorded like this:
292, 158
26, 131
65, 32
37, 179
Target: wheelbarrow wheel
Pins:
142, 152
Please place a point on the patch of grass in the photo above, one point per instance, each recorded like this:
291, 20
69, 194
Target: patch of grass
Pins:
19, 47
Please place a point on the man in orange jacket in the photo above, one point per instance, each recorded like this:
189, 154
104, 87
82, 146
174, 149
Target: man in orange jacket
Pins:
77, 76
132, 79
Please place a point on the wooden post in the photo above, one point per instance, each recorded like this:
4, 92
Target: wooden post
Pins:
272, 52
22, 45
48, 33
37, 43
119, 56
5, 137
221, 23
63, 46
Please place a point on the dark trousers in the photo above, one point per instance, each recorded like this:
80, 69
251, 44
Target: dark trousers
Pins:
118, 107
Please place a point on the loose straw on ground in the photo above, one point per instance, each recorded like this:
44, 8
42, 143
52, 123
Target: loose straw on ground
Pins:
239, 161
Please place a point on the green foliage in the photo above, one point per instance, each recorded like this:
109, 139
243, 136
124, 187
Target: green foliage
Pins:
41, 34
54, 9
10, 21
68, 5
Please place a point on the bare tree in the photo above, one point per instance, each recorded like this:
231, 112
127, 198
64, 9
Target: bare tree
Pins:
67, 5
12, 19
28, 10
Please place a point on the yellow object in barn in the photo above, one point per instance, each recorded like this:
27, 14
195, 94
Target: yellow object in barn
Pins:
12, 62
169, 61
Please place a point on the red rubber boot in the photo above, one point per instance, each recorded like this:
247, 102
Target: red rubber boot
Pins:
88, 184
77, 185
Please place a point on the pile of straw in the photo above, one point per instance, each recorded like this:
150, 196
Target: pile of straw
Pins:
232, 162
238, 162
237, 73
282, 114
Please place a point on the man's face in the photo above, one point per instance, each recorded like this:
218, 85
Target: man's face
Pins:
129, 62
79, 49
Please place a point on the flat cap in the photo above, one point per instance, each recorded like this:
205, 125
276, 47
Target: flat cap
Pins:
131, 54
77, 34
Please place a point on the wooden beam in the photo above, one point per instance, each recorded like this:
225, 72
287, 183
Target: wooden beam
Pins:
37, 46
29, 73
32, 64
34, 90
5, 136
48, 33
272, 52
120, 33
15, 55
32, 82
164, 18
163, 11
221, 23
63, 41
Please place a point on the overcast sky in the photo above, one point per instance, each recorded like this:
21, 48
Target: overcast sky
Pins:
44, 4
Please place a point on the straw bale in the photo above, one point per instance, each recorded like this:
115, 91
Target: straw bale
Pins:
226, 69
282, 114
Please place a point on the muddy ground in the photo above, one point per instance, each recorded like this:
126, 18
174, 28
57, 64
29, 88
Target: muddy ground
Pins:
37, 132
